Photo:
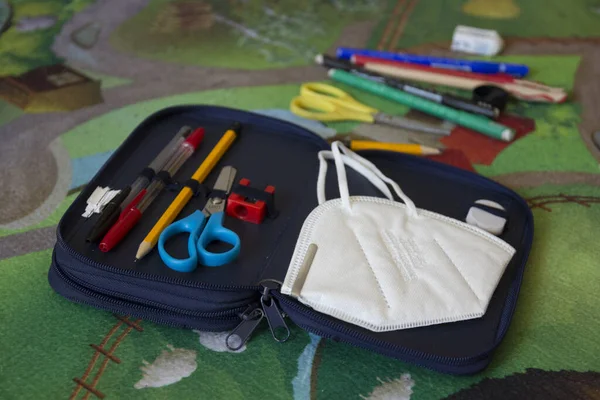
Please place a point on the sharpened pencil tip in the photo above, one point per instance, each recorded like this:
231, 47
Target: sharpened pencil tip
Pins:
430, 151
144, 249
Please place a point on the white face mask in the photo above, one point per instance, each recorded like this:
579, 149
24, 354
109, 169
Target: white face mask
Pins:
384, 265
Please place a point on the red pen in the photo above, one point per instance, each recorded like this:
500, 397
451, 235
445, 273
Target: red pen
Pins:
120, 229
133, 212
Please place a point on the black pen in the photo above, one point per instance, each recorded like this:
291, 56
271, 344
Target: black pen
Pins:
109, 215
449, 100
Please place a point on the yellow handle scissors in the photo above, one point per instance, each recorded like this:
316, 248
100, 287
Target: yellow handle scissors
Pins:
322, 102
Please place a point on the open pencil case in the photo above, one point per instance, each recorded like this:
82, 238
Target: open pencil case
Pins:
274, 152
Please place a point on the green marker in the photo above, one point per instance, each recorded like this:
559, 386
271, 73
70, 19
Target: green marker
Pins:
471, 121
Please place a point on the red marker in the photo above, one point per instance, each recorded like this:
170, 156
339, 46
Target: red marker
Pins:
133, 212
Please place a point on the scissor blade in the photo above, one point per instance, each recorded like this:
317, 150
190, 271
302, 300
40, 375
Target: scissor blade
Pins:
225, 179
385, 133
406, 123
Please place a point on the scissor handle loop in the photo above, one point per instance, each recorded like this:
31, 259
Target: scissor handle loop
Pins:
215, 231
191, 224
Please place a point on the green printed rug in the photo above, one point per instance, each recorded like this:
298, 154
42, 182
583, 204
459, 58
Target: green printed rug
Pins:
254, 54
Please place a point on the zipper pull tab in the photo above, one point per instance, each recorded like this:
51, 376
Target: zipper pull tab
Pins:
279, 329
251, 318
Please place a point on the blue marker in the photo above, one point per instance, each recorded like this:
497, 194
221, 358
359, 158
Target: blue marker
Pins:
482, 67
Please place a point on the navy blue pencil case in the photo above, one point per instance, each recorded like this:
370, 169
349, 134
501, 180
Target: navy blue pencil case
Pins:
273, 152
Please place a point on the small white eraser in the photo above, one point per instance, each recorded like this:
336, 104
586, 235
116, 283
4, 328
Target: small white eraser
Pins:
485, 220
471, 40
97, 200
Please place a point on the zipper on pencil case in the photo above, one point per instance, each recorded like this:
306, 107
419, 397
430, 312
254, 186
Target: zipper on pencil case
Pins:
146, 313
400, 350
254, 314
416, 356
251, 318
155, 305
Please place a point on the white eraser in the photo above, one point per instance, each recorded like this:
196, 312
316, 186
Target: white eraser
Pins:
471, 40
484, 219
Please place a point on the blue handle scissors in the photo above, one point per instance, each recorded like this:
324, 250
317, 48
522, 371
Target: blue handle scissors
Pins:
204, 227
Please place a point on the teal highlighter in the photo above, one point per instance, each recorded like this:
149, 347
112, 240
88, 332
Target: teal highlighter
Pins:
462, 118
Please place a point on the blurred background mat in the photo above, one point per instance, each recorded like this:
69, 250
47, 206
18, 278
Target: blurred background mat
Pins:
76, 76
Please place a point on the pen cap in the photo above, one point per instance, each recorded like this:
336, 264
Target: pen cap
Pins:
195, 138
185, 131
236, 127
491, 94
332, 62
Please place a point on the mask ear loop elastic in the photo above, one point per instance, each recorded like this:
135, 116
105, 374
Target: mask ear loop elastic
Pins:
358, 167
410, 205
322, 175
342, 178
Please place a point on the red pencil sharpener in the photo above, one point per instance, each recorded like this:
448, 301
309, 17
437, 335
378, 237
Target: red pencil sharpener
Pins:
250, 204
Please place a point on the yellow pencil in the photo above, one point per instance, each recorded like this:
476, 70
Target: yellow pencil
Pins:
407, 148
186, 193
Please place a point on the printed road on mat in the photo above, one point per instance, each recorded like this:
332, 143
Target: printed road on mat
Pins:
147, 55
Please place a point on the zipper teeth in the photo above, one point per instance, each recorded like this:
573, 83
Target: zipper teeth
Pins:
409, 352
323, 334
145, 317
107, 299
182, 282
124, 297
110, 300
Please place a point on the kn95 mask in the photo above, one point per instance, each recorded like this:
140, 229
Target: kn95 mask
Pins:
385, 265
